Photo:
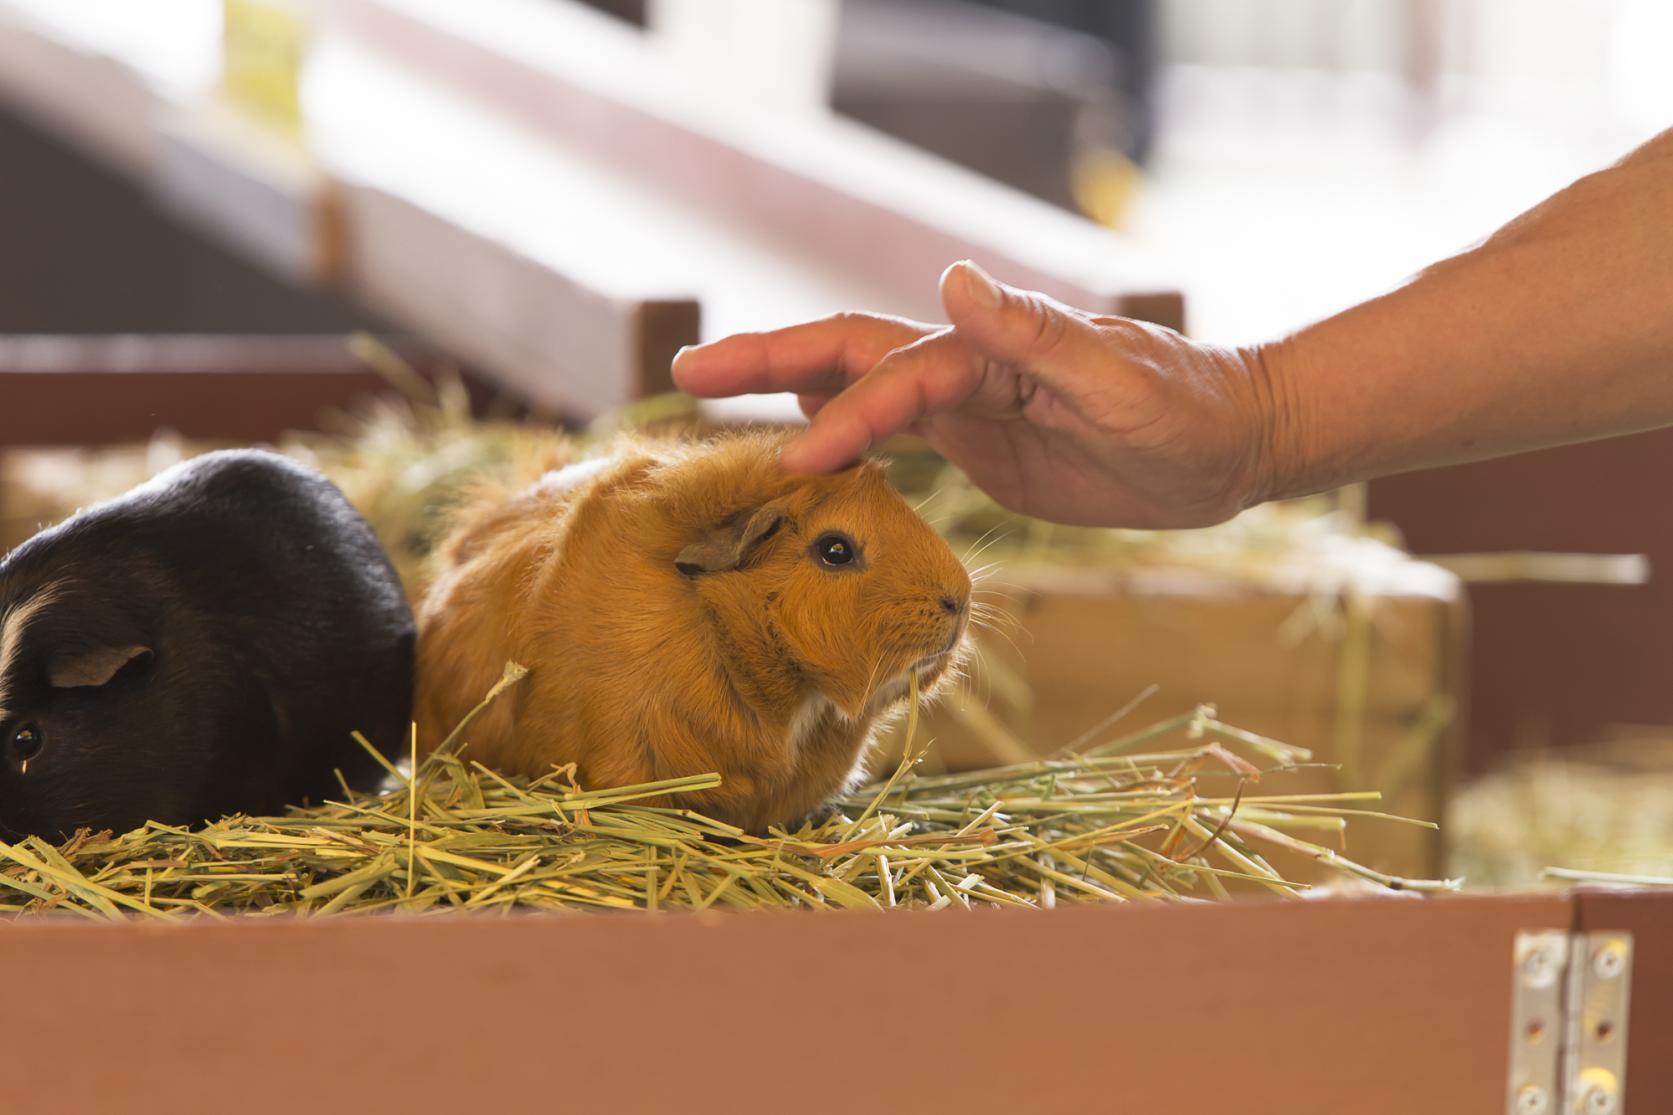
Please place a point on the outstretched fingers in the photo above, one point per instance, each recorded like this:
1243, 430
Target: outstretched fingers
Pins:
818, 357
1018, 327
934, 374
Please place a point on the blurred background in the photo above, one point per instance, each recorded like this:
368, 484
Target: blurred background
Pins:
201, 199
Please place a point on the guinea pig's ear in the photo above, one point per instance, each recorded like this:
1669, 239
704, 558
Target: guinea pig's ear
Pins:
90, 668
727, 546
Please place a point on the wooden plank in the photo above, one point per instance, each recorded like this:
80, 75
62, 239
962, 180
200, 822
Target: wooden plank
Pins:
1648, 916
821, 187
1376, 1007
106, 106
562, 339
571, 330
1552, 664
253, 188
768, 219
98, 390
562, 282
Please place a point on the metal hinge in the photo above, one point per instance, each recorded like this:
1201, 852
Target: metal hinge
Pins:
1568, 1023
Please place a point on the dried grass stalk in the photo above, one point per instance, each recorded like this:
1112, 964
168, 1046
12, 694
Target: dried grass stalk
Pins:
1600, 812
1177, 812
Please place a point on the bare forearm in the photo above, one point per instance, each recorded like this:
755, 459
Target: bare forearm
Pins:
1557, 329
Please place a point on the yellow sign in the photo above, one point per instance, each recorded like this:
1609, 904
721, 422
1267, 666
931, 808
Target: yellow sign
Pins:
1105, 184
262, 45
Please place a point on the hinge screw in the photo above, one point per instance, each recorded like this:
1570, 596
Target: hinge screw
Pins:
1539, 967
1597, 1100
1609, 961
1532, 1100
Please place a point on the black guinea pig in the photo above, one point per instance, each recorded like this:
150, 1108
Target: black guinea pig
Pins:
204, 644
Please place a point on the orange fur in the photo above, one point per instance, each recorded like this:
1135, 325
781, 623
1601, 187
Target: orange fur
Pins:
774, 674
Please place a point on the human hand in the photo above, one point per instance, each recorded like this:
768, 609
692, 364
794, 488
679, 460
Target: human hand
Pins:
1052, 411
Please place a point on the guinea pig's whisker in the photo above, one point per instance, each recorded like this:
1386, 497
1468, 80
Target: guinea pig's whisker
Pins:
988, 538
1006, 606
977, 553
992, 599
927, 500
989, 583
1002, 590
973, 672
871, 679
984, 574
986, 617
1003, 599
990, 629
970, 559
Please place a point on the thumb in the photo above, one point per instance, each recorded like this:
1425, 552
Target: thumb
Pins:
1015, 327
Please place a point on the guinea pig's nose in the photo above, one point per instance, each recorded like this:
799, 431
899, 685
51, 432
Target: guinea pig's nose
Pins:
951, 606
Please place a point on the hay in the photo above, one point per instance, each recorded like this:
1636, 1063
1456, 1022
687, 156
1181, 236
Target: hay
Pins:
1168, 814
1598, 813
1171, 813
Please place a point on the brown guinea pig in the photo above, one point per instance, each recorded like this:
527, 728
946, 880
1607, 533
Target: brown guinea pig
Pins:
685, 609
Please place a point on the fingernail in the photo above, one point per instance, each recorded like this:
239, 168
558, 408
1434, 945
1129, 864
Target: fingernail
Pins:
674, 366
981, 286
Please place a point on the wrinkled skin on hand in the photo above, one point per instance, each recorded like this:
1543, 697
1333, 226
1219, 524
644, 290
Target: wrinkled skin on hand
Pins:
1054, 412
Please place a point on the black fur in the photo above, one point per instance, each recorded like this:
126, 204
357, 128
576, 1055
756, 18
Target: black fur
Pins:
272, 626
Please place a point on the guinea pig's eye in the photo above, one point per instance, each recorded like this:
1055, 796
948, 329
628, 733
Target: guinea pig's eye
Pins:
834, 549
27, 742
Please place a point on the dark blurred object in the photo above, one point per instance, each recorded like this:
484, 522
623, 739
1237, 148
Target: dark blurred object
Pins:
1554, 664
86, 251
1129, 28
632, 11
1015, 98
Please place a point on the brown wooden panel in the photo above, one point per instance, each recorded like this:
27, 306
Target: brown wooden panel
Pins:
1555, 663
1373, 1007
57, 390
1648, 916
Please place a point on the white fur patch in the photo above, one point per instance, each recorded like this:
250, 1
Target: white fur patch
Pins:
807, 718
12, 626
570, 477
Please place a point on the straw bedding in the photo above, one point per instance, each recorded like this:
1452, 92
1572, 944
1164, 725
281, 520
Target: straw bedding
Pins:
1189, 809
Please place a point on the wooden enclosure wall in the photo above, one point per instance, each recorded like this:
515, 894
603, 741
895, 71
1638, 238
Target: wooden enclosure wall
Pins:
71, 391
1555, 663
1648, 916
1371, 1006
